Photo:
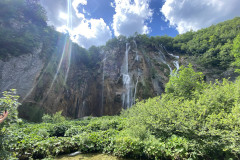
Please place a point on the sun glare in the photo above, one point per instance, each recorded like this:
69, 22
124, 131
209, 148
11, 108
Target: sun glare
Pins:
63, 16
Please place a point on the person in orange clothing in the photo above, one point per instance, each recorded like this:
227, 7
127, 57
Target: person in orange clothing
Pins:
3, 116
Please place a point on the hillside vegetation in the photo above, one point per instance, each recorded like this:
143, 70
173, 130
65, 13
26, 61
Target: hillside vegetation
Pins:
192, 120
23, 32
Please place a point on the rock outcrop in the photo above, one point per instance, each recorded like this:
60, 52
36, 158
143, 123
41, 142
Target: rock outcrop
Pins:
123, 74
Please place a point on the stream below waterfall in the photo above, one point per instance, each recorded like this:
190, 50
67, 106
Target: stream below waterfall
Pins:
90, 156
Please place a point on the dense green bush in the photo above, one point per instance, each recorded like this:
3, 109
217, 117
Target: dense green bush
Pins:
185, 82
236, 52
9, 102
192, 120
204, 126
56, 118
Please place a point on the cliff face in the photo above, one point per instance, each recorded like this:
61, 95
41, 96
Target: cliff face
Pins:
21, 72
51, 73
122, 74
111, 80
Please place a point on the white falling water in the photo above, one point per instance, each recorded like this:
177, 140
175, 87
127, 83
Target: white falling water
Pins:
176, 62
137, 59
126, 97
136, 51
163, 59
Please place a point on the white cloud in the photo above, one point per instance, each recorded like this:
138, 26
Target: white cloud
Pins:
86, 32
75, 5
112, 5
197, 14
131, 17
92, 32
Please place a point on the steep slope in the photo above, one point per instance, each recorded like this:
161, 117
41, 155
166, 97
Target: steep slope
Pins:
122, 73
51, 73
210, 49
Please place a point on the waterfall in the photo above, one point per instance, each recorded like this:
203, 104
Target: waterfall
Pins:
83, 108
163, 59
138, 72
103, 78
176, 62
137, 57
126, 97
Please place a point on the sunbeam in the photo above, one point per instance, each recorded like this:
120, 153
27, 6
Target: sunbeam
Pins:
65, 61
67, 50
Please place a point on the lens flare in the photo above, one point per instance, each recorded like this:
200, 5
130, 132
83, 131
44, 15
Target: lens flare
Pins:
65, 60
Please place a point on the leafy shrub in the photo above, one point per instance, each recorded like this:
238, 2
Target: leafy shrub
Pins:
74, 130
128, 147
55, 118
47, 118
203, 126
53, 146
185, 82
236, 52
9, 102
154, 149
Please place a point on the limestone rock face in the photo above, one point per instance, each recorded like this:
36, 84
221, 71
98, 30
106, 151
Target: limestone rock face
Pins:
124, 73
21, 72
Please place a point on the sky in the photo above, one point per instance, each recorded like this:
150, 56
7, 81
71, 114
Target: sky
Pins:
96, 21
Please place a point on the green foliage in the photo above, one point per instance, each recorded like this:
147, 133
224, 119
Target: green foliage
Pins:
236, 52
185, 82
55, 118
128, 146
205, 125
51, 139
9, 102
173, 126
212, 45
21, 27
116, 42
193, 120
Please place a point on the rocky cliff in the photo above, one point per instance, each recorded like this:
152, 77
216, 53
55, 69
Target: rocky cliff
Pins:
104, 83
122, 74
52, 74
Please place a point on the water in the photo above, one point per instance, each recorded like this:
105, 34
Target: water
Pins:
92, 156
126, 97
138, 71
176, 62
163, 59
136, 51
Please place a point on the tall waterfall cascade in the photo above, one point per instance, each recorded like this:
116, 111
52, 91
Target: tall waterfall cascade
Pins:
163, 59
138, 71
126, 97
136, 51
130, 80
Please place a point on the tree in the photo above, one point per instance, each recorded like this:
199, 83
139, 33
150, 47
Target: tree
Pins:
185, 82
236, 52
